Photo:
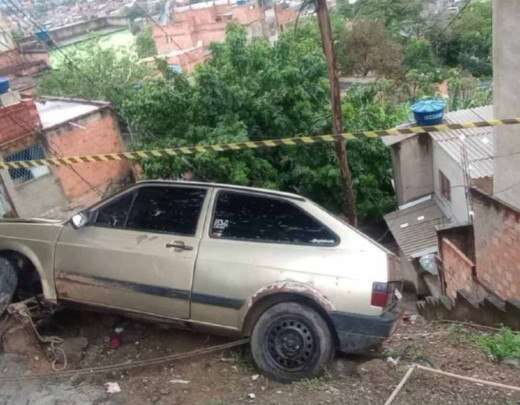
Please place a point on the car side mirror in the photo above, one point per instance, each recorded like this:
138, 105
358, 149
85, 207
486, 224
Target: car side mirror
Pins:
79, 220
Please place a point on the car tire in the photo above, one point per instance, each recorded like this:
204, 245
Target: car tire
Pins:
8, 283
291, 341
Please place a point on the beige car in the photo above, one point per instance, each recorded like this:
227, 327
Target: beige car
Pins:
233, 260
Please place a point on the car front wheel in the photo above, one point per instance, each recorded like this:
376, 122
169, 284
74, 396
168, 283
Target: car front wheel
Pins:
291, 341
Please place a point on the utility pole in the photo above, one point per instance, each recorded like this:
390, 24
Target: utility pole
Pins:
349, 203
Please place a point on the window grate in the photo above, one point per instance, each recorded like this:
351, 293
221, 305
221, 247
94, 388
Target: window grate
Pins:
20, 176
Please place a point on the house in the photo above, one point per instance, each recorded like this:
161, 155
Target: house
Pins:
21, 62
432, 175
185, 37
459, 196
53, 127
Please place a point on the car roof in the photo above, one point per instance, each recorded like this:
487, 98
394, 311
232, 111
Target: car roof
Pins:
224, 186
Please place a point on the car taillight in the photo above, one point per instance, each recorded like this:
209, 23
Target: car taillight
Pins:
381, 294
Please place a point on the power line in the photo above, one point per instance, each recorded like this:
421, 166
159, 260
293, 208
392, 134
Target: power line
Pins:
37, 132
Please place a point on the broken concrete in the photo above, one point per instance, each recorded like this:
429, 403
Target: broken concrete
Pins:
489, 311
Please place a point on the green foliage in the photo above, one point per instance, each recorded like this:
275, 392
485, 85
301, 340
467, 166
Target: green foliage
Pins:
501, 345
249, 90
468, 41
94, 72
399, 16
254, 91
144, 44
419, 55
367, 47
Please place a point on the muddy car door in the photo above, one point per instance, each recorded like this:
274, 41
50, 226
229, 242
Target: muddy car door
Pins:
137, 251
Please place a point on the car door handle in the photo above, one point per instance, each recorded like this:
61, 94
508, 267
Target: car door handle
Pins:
178, 245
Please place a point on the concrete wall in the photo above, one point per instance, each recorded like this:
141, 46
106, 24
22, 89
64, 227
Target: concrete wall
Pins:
36, 197
67, 32
413, 161
506, 67
497, 241
95, 133
457, 208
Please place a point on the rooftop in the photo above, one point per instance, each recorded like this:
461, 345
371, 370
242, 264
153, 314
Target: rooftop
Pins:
56, 111
414, 228
473, 148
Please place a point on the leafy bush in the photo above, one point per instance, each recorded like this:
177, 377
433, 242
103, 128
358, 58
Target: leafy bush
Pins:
501, 345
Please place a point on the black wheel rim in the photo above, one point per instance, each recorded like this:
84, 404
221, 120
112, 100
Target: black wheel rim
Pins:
291, 343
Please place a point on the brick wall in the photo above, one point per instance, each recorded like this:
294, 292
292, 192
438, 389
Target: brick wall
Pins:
18, 121
497, 245
99, 134
457, 269
10, 58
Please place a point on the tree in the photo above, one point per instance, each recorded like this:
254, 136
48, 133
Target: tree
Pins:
398, 16
419, 55
368, 48
468, 40
145, 44
252, 90
94, 72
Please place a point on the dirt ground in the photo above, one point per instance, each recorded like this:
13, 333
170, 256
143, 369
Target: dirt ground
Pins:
230, 377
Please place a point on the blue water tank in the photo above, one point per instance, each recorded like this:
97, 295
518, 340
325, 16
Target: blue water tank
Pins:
429, 111
4, 85
43, 36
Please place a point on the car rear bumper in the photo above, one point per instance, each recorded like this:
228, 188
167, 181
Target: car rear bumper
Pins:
357, 333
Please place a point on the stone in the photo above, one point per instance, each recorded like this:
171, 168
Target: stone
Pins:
515, 363
19, 341
343, 367
74, 348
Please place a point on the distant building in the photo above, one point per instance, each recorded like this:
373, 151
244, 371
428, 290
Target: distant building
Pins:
52, 128
184, 40
21, 63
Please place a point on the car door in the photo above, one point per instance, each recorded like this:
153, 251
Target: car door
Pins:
137, 252
252, 240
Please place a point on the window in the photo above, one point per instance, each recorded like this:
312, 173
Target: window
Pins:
445, 186
257, 218
20, 176
114, 213
167, 209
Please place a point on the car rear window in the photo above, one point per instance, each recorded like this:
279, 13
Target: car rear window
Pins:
167, 209
266, 219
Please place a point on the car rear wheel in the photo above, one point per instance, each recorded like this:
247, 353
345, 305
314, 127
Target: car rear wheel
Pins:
8, 282
291, 341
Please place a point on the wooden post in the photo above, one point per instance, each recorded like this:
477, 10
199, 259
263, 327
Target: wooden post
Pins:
349, 202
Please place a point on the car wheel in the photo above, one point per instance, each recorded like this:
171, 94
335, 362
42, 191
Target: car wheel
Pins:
8, 282
291, 341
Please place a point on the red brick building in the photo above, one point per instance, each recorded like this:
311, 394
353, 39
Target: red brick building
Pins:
484, 259
184, 41
52, 128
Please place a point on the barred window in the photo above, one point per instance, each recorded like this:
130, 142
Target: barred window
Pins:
20, 176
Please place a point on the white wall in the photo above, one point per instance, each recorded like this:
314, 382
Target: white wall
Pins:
506, 70
456, 209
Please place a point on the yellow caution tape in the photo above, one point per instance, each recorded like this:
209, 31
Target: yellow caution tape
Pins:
271, 143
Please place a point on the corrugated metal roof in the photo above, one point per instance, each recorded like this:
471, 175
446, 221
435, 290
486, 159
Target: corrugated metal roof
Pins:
414, 228
477, 143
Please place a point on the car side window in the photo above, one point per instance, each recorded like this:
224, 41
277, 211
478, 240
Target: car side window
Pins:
265, 219
115, 213
167, 209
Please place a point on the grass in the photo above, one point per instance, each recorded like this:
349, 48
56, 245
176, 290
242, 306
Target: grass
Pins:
501, 345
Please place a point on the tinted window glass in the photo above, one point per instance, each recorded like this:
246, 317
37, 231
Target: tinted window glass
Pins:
167, 209
115, 212
243, 216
